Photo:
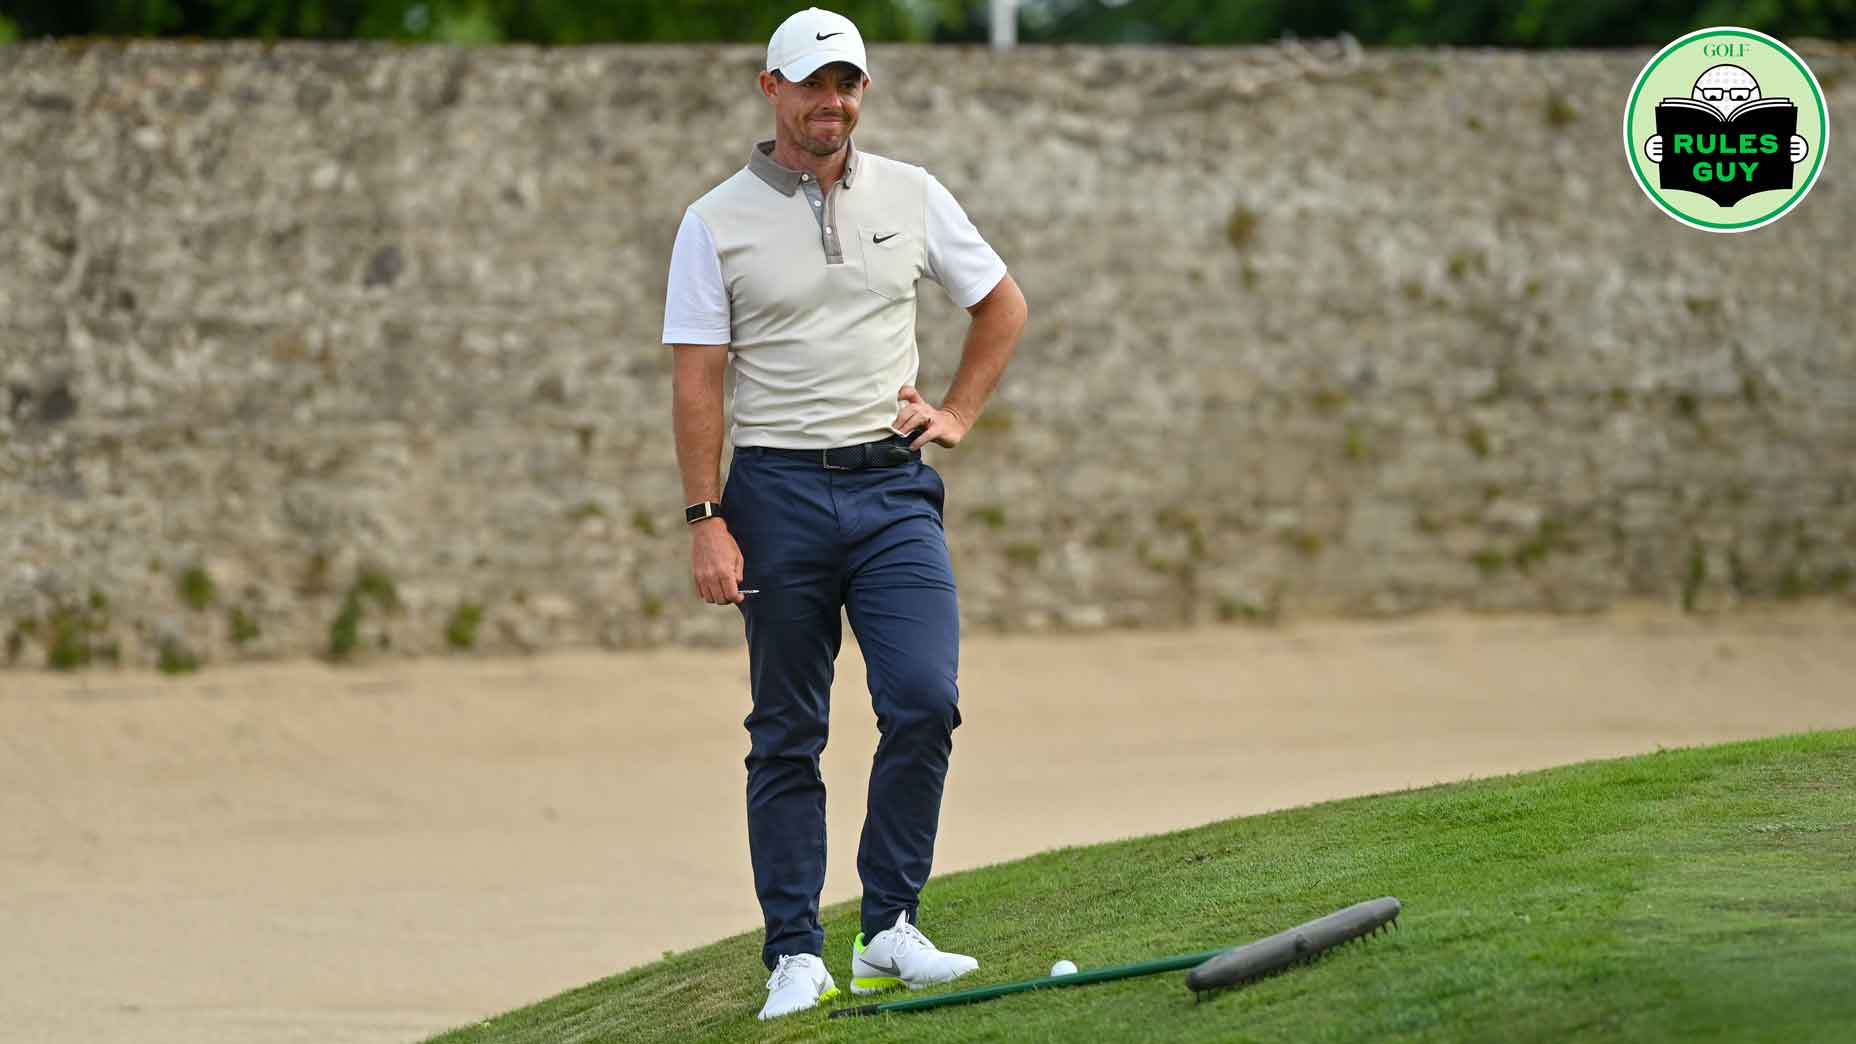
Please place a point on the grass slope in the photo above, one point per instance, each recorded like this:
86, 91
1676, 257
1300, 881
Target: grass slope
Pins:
1688, 895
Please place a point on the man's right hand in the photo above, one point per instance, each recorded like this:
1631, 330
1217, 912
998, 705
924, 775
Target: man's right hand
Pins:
716, 562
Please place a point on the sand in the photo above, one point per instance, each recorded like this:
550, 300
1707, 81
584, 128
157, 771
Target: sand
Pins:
292, 852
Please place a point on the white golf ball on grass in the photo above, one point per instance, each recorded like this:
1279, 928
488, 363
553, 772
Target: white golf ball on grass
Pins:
1063, 968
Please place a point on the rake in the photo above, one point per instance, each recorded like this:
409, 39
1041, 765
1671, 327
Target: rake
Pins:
1211, 970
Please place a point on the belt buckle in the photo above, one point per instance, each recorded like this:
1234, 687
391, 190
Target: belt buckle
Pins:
824, 458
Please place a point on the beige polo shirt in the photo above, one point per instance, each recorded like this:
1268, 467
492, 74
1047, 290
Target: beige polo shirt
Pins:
814, 292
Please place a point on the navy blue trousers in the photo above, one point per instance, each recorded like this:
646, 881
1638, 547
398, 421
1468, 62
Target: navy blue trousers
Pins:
867, 543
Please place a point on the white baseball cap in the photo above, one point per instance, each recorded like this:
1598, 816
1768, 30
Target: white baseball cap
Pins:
812, 39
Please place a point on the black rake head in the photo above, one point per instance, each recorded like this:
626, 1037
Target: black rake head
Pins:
1302, 945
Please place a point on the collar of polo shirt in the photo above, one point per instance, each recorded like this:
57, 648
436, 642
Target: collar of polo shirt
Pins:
785, 179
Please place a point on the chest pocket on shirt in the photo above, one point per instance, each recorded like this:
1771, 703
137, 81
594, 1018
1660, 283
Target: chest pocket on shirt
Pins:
890, 262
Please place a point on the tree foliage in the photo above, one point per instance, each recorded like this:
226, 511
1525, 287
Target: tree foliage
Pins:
472, 21
1507, 23
1515, 23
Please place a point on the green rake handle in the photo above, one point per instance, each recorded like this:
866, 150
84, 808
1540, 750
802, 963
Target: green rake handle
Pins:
1049, 982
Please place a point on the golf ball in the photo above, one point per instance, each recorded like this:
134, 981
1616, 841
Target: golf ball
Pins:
1063, 968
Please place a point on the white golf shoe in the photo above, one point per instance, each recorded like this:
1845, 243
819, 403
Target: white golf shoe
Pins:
798, 982
903, 956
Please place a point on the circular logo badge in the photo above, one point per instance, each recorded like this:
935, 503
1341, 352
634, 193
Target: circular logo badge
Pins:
1726, 129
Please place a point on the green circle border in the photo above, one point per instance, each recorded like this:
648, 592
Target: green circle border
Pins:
1823, 133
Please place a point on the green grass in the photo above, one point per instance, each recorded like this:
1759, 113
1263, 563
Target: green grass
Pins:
195, 588
461, 629
1691, 895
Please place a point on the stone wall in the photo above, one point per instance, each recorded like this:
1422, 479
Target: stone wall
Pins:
303, 345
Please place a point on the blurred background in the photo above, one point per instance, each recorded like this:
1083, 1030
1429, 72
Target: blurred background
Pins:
1501, 23
322, 345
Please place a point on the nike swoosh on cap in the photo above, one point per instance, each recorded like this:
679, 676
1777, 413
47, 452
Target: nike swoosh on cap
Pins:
827, 36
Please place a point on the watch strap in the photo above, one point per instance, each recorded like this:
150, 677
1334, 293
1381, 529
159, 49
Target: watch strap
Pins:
701, 510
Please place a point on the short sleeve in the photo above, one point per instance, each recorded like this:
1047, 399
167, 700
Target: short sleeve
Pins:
964, 264
696, 302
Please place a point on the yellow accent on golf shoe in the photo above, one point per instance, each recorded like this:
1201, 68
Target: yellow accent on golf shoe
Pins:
872, 985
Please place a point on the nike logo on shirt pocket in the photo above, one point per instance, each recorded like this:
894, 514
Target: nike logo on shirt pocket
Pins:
891, 262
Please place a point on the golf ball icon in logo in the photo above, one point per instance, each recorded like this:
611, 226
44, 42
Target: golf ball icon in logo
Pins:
1725, 129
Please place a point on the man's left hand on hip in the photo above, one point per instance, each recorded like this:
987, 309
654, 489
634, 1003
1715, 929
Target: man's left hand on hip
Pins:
943, 427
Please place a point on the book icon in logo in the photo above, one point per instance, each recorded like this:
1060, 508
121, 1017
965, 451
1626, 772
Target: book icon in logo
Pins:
1724, 141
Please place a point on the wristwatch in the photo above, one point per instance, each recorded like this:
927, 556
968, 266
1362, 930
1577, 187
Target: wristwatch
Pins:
700, 510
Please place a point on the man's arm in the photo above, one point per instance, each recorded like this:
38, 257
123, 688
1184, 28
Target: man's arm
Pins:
696, 415
998, 320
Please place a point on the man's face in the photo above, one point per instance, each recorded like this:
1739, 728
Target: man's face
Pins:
820, 111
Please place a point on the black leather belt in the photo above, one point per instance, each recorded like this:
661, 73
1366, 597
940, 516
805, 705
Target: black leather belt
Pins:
884, 453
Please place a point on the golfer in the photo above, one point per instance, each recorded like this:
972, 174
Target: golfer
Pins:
801, 270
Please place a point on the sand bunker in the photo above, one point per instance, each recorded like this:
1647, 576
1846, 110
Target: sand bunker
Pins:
292, 852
